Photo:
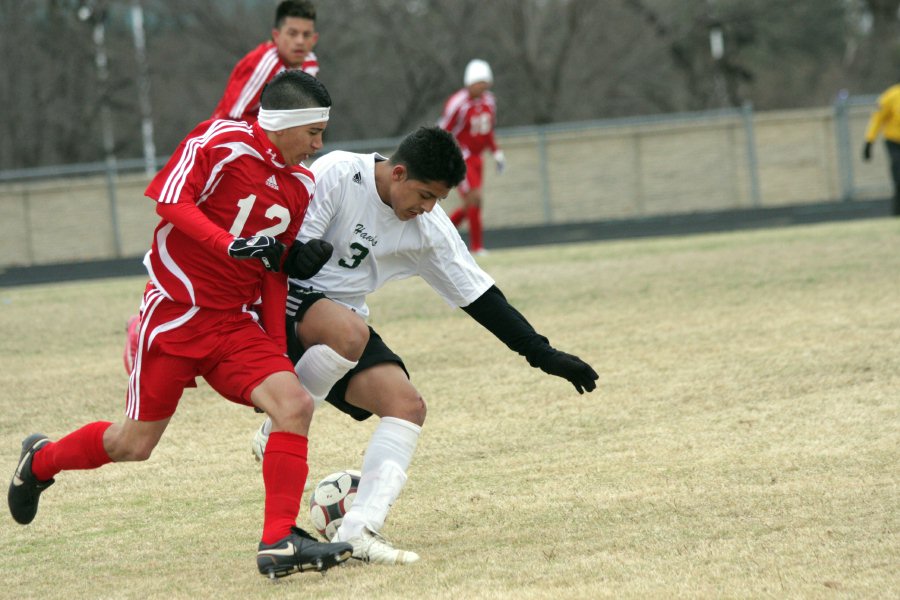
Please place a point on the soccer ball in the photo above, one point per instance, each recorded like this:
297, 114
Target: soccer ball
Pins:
330, 501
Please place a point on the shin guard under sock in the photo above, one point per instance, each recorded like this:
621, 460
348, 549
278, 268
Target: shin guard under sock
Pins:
388, 455
284, 473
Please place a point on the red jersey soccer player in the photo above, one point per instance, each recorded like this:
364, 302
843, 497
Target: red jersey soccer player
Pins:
293, 39
470, 115
231, 198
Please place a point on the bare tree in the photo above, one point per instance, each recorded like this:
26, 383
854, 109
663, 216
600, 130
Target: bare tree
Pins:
47, 97
876, 58
390, 64
390, 67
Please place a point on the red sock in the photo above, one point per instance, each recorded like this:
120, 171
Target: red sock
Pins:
458, 216
284, 474
474, 214
81, 449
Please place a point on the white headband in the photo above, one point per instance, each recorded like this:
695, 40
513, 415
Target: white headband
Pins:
276, 120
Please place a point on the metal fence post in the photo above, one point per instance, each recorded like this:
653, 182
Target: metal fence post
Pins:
638, 167
842, 139
96, 15
546, 199
752, 162
29, 229
143, 84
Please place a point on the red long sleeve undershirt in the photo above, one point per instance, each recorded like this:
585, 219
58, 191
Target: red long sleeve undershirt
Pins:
189, 219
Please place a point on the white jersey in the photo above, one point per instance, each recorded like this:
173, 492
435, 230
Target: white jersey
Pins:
372, 246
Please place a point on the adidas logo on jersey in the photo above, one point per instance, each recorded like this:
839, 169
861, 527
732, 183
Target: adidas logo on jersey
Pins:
272, 183
357, 178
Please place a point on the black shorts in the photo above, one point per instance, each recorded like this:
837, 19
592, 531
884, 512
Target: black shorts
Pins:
376, 352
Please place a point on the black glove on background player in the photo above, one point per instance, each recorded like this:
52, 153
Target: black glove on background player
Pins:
264, 248
306, 259
867, 151
569, 367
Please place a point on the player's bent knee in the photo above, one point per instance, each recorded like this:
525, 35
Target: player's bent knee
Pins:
337, 327
350, 338
283, 398
422, 411
292, 413
414, 409
359, 339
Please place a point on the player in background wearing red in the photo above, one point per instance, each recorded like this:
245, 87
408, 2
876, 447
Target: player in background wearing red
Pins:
293, 39
470, 115
231, 200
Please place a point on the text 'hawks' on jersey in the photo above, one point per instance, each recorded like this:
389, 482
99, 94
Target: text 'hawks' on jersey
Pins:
372, 246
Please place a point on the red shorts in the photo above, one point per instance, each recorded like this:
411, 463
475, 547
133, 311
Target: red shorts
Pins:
473, 174
178, 343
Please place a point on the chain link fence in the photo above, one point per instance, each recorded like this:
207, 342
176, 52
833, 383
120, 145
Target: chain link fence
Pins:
593, 171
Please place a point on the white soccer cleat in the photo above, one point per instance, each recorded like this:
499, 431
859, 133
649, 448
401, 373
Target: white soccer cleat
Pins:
258, 445
371, 547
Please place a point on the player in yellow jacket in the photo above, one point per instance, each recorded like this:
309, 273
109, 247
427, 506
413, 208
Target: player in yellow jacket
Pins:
886, 120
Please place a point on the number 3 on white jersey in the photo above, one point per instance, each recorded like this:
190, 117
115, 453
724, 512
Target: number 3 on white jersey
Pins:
276, 212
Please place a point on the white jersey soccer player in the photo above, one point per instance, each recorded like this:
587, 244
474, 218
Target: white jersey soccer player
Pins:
382, 218
372, 246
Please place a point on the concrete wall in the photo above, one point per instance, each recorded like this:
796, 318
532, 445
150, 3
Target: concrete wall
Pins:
591, 172
64, 220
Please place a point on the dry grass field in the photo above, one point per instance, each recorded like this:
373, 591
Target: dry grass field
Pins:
744, 441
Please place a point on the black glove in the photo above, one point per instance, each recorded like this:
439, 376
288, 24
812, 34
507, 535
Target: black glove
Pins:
569, 367
306, 259
867, 151
261, 247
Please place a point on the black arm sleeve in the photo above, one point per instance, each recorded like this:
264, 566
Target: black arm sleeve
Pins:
497, 315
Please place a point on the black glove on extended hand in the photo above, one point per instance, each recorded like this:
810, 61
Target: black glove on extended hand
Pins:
569, 367
306, 259
261, 247
867, 151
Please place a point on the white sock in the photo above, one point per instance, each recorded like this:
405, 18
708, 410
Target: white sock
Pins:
319, 369
383, 476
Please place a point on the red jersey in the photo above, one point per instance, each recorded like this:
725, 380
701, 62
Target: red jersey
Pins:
471, 121
240, 101
239, 182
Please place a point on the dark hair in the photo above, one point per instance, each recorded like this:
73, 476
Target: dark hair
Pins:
431, 154
302, 9
292, 89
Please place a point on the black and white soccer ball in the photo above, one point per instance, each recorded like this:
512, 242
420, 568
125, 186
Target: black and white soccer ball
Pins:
330, 501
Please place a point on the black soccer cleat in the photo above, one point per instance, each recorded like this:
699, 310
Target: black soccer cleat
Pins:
300, 552
25, 489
